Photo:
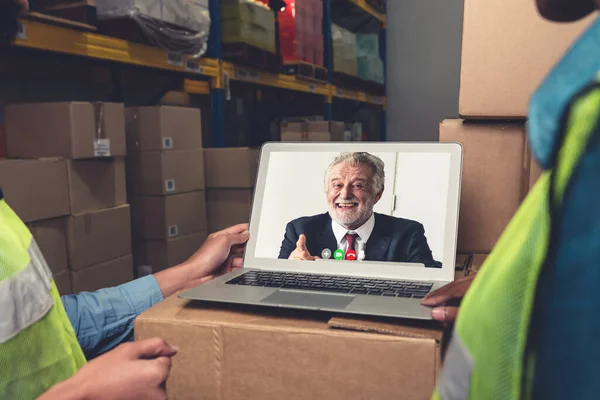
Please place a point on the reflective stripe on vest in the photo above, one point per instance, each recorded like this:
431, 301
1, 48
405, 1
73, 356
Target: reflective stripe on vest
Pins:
25, 297
38, 347
485, 359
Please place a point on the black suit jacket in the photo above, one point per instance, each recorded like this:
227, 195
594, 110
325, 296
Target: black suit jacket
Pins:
392, 239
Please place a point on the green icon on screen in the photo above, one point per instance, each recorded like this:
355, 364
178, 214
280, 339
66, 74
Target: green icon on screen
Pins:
339, 254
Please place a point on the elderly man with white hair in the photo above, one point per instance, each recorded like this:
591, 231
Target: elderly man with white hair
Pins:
354, 183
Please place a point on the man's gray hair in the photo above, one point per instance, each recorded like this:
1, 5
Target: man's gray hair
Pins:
361, 158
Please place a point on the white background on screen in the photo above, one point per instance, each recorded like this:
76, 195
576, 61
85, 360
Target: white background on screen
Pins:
295, 188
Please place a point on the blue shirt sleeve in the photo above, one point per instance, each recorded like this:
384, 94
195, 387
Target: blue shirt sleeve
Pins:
104, 319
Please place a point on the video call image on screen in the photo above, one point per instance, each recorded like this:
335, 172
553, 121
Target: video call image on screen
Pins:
388, 207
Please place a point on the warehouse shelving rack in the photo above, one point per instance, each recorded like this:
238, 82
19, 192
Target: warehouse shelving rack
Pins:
48, 37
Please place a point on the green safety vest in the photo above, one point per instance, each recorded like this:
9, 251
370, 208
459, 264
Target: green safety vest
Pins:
487, 357
38, 346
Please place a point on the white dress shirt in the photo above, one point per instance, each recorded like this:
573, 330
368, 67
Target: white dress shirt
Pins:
363, 232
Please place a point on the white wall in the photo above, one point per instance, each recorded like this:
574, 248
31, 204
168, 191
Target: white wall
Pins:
421, 191
295, 188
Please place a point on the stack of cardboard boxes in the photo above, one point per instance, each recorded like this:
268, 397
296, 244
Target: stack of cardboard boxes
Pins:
230, 180
313, 131
71, 155
507, 51
166, 184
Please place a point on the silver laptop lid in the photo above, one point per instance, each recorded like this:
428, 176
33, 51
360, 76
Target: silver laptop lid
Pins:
299, 191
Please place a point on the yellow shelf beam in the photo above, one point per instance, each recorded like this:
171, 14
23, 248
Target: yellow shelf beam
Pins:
47, 37
369, 9
289, 82
354, 95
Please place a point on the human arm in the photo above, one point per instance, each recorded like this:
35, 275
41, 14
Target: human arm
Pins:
104, 319
446, 300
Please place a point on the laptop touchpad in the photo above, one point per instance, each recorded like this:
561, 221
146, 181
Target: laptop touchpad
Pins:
308, 299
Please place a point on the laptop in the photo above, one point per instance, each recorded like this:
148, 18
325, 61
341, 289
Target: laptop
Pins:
379, 224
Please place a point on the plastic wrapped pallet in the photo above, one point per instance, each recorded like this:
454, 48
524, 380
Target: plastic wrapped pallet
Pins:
175, 25
367, 45
248, 22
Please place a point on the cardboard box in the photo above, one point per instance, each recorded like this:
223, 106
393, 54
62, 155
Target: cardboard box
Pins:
162, 173
463, 262
96, 184
476, 263
228, 207
507, 50
70, 130
63, 283
105, 275
312, 131
163, 254
256, 353
495, 179
231, 168
163, 128
98, 236
51, 237
164, 217
35, 189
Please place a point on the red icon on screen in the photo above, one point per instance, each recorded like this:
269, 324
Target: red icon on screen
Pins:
351, 255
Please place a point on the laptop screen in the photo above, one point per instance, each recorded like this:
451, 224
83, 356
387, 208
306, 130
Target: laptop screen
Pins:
351, 205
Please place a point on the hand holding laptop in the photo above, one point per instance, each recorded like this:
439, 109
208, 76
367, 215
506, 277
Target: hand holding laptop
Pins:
446, 300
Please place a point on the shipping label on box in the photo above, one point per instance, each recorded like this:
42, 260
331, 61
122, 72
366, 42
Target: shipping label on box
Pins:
163, 128
165, 217
98, 236
46, 192
71, 130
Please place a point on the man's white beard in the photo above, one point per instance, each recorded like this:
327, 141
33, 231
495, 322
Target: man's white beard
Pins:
353, 218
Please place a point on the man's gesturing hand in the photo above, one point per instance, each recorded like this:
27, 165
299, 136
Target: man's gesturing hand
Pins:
446, 299
132, 371
301, 252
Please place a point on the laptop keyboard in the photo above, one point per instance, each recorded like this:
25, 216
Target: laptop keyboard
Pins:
336, 284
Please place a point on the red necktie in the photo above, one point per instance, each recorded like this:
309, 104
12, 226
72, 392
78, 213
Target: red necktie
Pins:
351, 239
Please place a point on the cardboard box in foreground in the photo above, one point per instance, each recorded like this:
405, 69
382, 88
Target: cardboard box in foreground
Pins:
251, 353
495, 179
507, 50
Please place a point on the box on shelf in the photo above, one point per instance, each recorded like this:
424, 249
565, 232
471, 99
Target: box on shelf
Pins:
70, 130
163, 128
507, 50
98, 236
96, 184
494, 182
104, 275
63, 283
83, 11
228, 207
234, 167
163, 254
301, 32
258, 353
312, 131
164, 217
51, 237
344, 51
248, 22
46, 194
165, 173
